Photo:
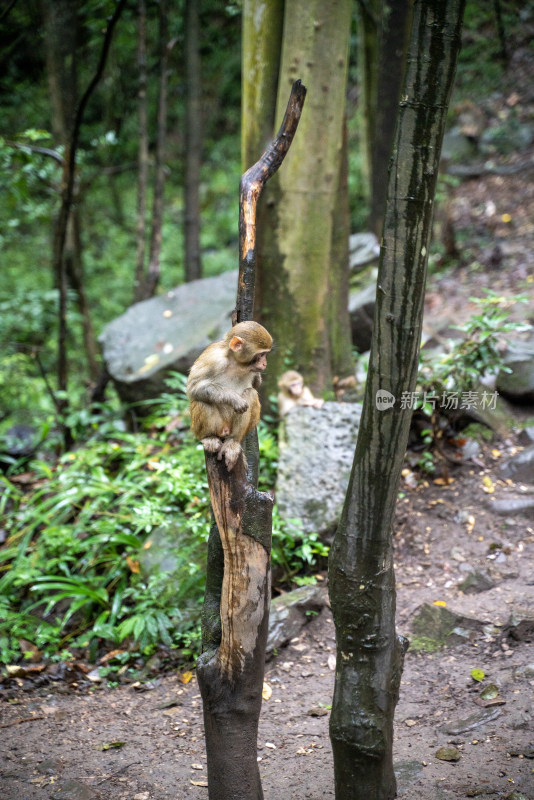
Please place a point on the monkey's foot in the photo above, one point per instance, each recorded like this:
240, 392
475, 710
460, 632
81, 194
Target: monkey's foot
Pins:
212, 444
230, 451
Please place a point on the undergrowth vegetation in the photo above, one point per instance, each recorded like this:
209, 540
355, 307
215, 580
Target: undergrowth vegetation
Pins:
107, 545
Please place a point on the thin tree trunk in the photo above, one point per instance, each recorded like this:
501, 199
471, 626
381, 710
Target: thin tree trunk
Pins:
61, 25
236, 606
67, 195
392, 43
193, 143
153, 275
369, 20
361, 575
142, 159
75, 276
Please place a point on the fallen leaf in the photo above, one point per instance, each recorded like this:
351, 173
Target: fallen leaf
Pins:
108, 746
198, 783
487, 485
185, 677
197, 766
134, 566
331, 662
266, 692
441, 603
490, 692
111, 655
317, 711
172, 703
478, 674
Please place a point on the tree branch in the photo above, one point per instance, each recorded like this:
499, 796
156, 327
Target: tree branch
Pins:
250, 189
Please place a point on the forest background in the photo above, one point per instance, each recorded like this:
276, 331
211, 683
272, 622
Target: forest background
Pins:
76, 522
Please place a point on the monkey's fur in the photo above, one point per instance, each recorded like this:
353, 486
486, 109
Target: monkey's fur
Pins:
222, 389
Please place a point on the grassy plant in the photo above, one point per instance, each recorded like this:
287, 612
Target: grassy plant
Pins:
72, 567
478, 352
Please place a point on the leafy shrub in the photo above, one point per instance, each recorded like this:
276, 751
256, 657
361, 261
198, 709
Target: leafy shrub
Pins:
71, 566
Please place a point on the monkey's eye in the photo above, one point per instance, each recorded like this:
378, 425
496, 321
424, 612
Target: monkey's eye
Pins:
259, 355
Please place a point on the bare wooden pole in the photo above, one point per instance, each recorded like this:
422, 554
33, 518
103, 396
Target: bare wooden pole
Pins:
235, 617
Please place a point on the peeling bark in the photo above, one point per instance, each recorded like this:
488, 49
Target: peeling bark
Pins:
235, 617
235, 625
361, 575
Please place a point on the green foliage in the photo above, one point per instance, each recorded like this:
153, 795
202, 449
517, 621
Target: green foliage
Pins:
477, 353
73, 567
457, 374
480, 66
27, 184
293, 549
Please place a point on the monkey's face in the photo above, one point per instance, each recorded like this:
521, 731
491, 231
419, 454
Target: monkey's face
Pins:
259, 362
295, 388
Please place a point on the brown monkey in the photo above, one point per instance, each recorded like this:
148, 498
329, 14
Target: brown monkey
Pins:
294, 393
222, 388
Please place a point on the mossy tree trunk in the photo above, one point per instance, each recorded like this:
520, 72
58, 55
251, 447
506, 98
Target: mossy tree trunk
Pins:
297, 276
362, 582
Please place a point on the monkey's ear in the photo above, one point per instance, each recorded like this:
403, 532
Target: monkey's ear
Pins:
236, 344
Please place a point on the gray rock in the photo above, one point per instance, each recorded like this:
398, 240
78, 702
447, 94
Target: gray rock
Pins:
471, 722
75, 790
437, 626
166, 333
361, 311
476, 582
526, 436
163, 554
457, 146
518, 385
512, 505
525, 671
161, 550
506, 137
363, 249
316, 454
290, 612
520, 626
520, 467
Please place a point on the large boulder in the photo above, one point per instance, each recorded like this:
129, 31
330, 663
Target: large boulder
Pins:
363, 249
361, 313
518, 384
166, 333
520, 467
316, 453
291, 612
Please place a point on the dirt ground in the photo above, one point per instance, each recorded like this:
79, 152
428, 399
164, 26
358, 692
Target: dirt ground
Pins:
69, 739
60, 740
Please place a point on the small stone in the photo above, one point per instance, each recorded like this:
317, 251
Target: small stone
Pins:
448, 754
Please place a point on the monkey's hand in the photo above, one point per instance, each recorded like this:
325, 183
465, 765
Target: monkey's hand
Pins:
239, 404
